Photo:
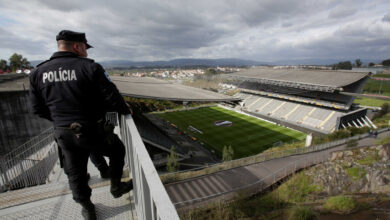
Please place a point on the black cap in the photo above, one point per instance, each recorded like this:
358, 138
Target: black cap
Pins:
73, 36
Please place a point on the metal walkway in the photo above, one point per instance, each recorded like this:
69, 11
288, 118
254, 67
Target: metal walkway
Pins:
252, 178
54, 200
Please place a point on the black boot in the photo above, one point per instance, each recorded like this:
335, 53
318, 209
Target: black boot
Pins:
119, 188
88, 210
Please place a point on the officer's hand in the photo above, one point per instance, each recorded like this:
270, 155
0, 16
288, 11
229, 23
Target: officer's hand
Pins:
128, 106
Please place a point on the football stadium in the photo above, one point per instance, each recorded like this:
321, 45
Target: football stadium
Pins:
218, 127
272, 107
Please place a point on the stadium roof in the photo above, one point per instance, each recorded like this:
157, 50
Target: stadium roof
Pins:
318, 80
143, 87
152, 88
14, 82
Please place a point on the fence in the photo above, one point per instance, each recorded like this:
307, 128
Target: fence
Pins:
30, 163
261, 184
151, 199
268, 156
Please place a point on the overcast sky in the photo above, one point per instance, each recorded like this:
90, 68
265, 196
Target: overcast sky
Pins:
261, 30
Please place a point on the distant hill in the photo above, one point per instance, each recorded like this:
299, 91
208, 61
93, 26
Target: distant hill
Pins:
180, 63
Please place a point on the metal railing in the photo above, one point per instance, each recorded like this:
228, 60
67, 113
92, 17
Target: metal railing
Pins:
279, 154
29, 164
151, 199
261, 184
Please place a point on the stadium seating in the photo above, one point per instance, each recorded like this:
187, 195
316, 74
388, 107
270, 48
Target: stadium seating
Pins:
305, 115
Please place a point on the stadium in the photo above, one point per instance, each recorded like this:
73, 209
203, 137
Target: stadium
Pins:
272, 107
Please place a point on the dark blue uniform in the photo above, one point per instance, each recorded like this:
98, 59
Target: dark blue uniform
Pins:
69, 89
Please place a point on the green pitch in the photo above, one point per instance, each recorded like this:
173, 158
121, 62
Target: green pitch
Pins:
247, 135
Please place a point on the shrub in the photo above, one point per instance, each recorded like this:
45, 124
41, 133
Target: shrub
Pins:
298, 189
301, 213
340, 204
356, 173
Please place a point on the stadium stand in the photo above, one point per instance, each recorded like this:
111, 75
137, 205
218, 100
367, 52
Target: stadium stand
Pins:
155, 137
302, 98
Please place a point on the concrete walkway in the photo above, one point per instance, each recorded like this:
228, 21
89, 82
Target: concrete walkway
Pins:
260, 175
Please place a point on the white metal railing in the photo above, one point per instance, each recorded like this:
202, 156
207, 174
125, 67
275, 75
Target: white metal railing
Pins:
151, 199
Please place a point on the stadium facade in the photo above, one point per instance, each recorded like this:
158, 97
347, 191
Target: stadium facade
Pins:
312, 101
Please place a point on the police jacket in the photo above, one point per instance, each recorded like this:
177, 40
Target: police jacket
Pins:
68, 88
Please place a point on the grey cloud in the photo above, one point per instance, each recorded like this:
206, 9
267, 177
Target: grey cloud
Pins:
386, 17
161, 30
342, 12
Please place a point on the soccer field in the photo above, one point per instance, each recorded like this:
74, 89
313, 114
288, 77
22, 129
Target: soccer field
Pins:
247, 135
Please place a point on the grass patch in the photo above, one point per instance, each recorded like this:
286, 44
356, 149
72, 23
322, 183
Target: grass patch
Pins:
382, 75
299, 188
374, 86
340, 204
356, 173
302, 213
247, 135
370, 101
369, 160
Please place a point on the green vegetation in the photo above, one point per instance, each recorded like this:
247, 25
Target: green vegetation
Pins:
386, 62
254, 135
358, 63
302, 213
227, 153
369, 160
345, 65
382, 75
356, 173
16, 61
370, 101
299, 188
377, 87
341, 204
172, 164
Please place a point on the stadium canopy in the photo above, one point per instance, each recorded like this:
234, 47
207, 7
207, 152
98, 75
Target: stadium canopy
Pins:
316, 80
151, 88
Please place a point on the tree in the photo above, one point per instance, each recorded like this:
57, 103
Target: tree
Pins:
3, 65
386, 62
172, 164
358, 63
227, 153
371, 64
346, 65
17, 61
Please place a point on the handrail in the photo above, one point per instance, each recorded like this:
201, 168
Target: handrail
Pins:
282, 153
151, 198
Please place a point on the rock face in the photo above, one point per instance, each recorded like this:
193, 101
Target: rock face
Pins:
365, 170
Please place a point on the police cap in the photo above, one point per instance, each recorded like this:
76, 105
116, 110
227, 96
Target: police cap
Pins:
73, 36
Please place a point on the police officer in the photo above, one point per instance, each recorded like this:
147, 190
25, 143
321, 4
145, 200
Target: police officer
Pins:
74, 93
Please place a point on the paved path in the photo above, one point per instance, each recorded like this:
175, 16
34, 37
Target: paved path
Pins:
210, 186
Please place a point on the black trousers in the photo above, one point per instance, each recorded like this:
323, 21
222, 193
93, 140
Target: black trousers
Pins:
77, 149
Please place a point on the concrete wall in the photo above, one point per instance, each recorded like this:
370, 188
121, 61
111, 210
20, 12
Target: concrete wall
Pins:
17, 124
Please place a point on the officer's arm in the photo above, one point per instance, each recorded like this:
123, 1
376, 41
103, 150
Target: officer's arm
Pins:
113, 100
37, 103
